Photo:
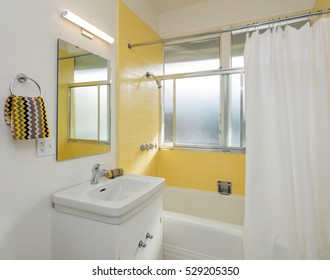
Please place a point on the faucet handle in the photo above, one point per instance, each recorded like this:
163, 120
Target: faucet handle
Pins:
97, 166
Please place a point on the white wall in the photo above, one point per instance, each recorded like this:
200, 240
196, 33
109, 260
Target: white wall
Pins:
218, 13
29, 32
145, 11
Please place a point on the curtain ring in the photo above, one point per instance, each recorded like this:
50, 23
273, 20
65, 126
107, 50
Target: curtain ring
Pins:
273, 24
248, 30
286, 22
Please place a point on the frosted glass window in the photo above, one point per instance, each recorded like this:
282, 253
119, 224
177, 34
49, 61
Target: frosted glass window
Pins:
168, 110
202, 109
104, 113
197, 110
90, 68
84, 113
89, 113
192, 56
237, 49
90, 104
206, 112
233, 111
88, 75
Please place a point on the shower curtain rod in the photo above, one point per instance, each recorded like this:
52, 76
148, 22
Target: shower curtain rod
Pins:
239, 28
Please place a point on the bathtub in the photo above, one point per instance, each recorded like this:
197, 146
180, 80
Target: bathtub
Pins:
202, 225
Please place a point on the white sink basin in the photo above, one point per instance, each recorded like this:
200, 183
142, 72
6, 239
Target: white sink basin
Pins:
111, 201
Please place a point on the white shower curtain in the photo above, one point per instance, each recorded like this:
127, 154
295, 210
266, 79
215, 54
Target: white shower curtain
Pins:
288, 143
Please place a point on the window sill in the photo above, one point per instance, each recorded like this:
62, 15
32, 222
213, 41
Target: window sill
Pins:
229, 150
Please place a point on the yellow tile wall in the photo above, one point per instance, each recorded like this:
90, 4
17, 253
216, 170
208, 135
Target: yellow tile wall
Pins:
202, 170
138, 98
138, 111
138, 118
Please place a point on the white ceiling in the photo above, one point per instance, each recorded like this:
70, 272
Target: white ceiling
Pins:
174, 17
166, 5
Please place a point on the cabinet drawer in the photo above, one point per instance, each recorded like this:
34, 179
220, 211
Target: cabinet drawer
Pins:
145, 244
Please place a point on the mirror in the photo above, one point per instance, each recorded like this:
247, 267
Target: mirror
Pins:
83, 98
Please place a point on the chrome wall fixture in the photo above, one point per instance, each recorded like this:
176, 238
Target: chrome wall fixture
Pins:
148, 75
224, 187
147, 147
88, 29
22, 78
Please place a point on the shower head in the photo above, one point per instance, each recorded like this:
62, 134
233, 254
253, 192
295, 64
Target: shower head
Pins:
148, 75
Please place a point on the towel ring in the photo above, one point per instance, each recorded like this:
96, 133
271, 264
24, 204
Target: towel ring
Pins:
22, 78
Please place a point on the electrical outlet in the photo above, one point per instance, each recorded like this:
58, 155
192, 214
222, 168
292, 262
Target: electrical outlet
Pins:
45, 146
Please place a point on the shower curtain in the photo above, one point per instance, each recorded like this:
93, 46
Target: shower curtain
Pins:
287, 76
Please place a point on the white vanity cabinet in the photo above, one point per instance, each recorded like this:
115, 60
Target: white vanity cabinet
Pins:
138, 237
145, 244
143, 234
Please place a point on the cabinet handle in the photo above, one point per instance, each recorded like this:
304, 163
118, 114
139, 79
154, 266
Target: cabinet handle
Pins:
142, 244
149, 236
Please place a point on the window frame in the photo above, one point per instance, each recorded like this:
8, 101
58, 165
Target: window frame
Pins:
225, 61
174, 144
226, 65
98, 85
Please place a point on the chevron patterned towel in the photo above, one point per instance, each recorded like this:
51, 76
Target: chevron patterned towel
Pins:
114, 173
27, 117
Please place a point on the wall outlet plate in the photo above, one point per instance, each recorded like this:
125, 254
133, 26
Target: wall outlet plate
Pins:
45, 146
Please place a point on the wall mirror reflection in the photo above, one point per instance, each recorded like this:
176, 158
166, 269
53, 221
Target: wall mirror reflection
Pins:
83, 112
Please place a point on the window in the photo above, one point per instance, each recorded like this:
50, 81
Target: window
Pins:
88, 114
203, 99
192, 56
202, 104
89, 100
237, 49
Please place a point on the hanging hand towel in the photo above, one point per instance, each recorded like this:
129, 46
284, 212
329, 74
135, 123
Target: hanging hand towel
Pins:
27, 117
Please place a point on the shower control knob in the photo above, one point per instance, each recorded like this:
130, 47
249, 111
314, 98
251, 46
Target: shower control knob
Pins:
142, 244
149, 236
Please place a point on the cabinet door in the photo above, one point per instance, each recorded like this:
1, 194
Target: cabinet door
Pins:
145, 244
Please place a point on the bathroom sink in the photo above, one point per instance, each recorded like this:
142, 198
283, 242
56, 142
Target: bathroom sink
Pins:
112, 200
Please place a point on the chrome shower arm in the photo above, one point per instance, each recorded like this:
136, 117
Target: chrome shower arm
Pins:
148, 75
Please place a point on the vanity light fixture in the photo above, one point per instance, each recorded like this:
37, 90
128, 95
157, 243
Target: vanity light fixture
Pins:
86, 26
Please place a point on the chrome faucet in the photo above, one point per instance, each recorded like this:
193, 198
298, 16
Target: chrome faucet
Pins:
97, 173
